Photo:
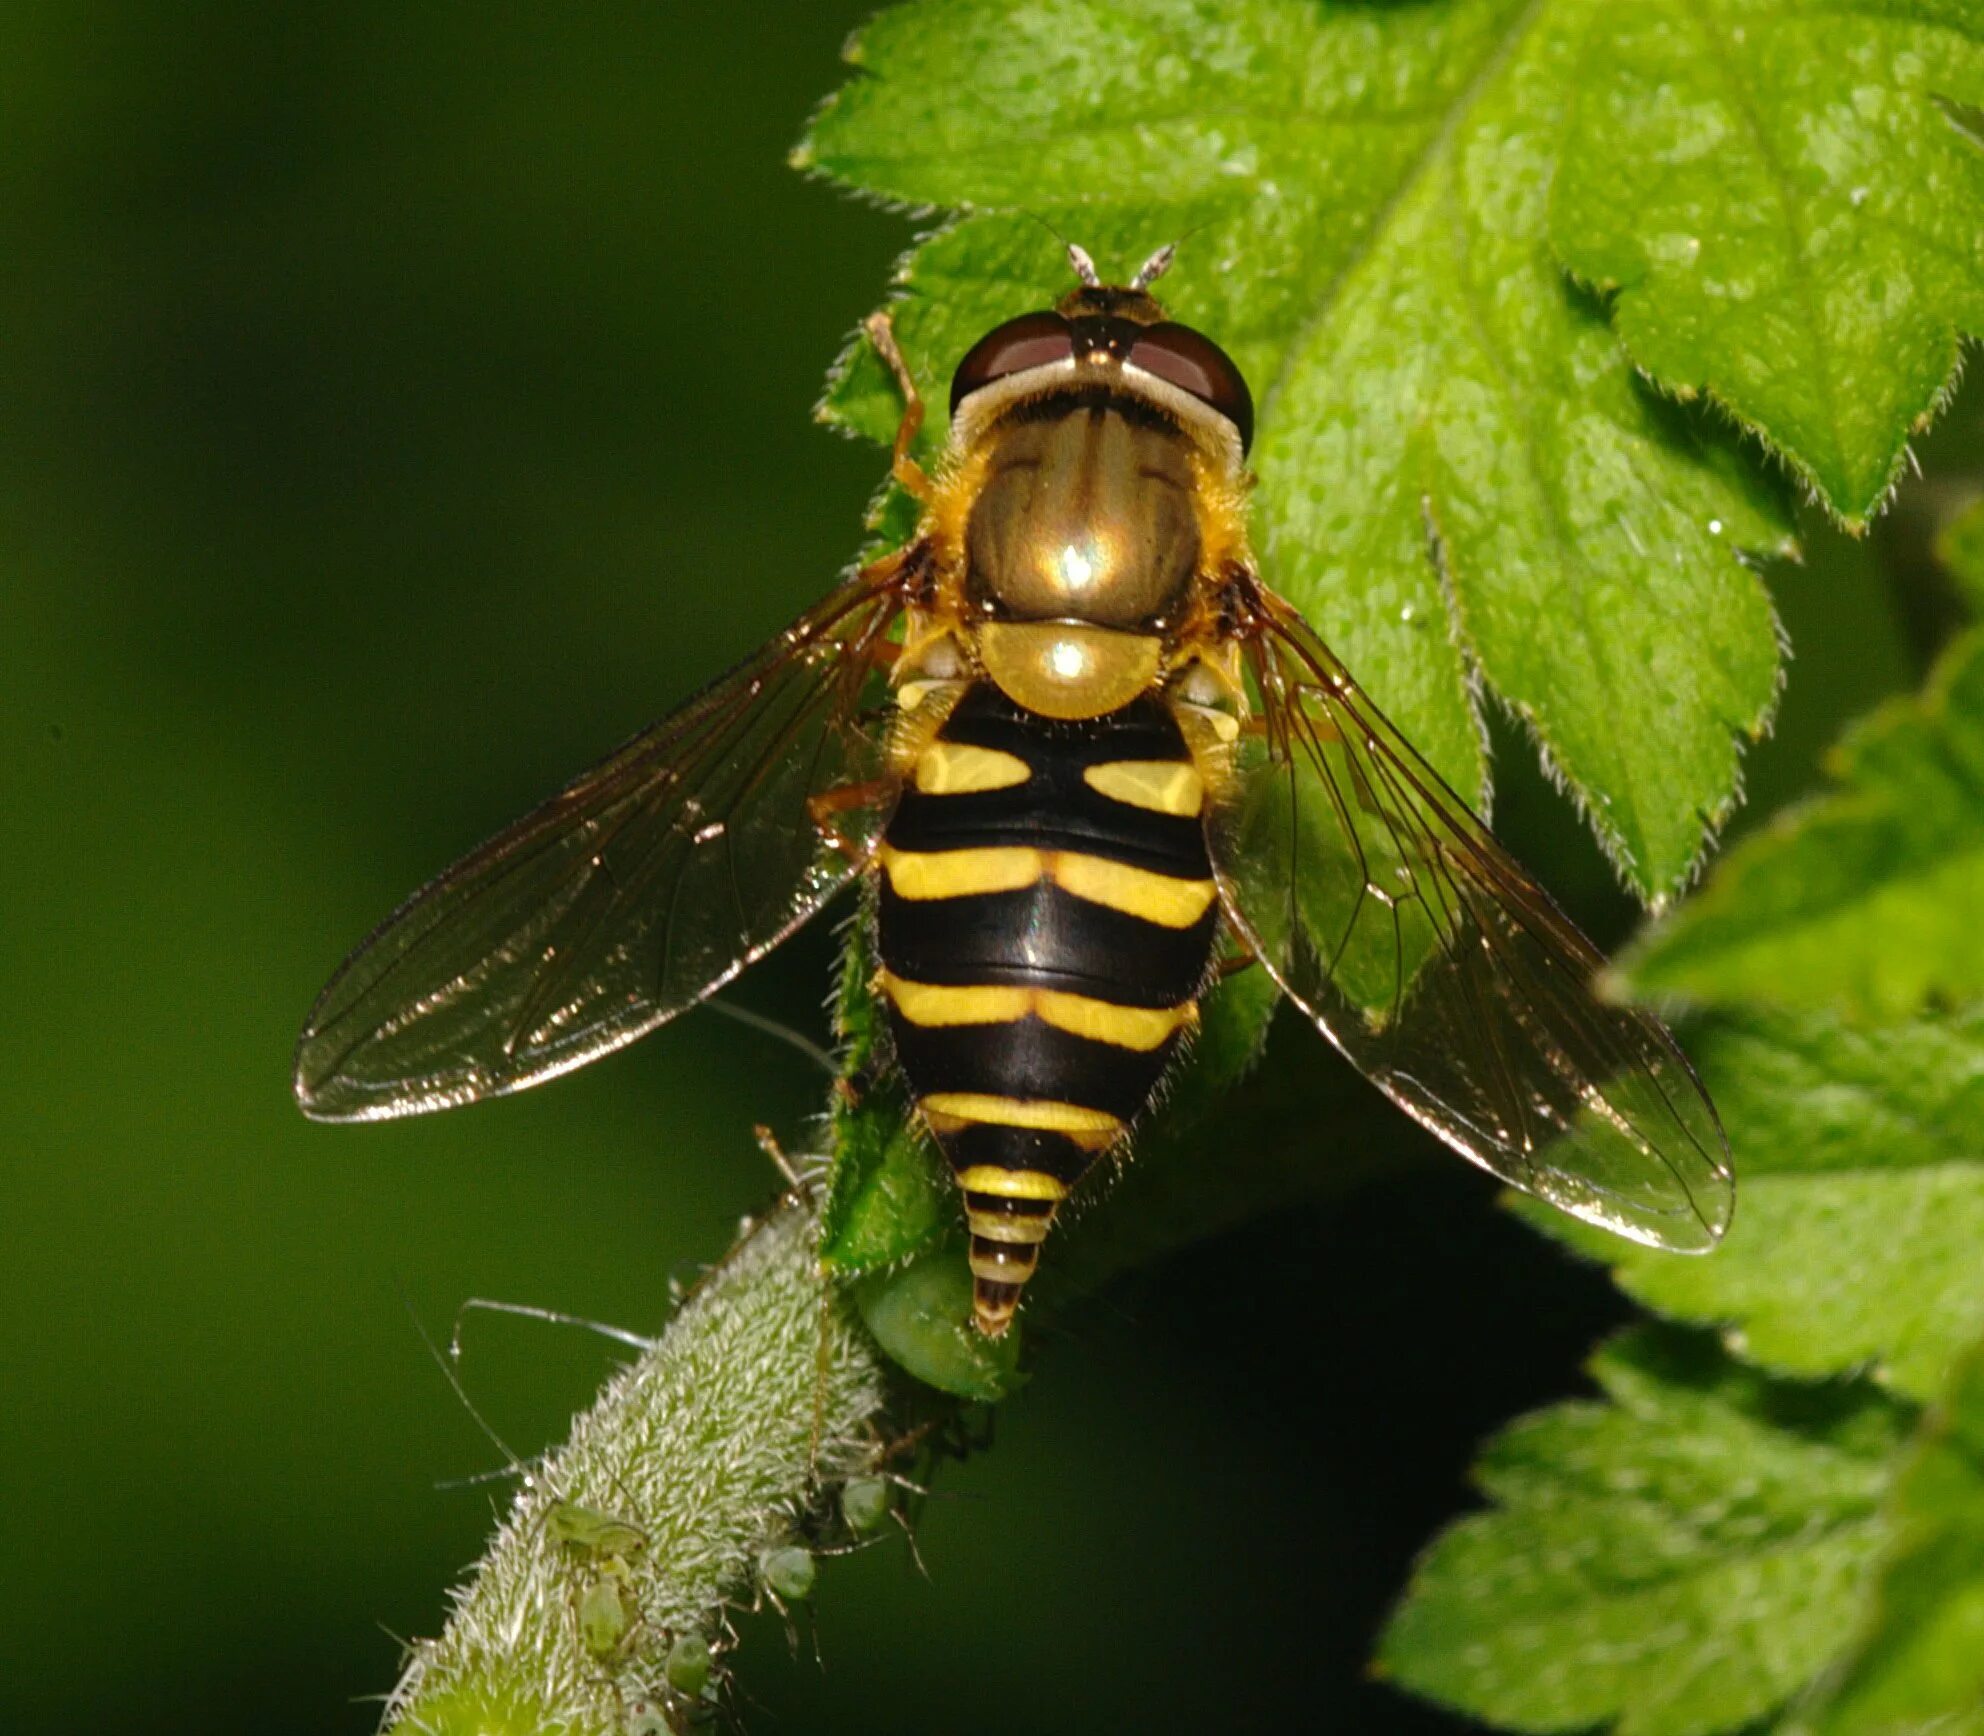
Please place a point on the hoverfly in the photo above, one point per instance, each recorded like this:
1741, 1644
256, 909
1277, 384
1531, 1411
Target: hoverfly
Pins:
1080, 749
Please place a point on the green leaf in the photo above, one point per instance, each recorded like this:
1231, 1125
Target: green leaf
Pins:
920, 1314
1860, 1197
1866, 898
1960, 550
1789, 214
1680, 1560
1919, 1665
1460, 473
889, 1196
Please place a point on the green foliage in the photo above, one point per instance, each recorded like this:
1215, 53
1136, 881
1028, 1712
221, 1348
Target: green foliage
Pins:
1459, 470
483, 1711
1679, 1560
1775, 192
1714, 1549
1960, 549
1866, 898
920, 1313
1860, 1156
1919, 1664
1861, 1210
888, 1197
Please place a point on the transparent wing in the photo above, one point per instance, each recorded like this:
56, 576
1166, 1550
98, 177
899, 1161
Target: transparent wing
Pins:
1445, 974
642, 886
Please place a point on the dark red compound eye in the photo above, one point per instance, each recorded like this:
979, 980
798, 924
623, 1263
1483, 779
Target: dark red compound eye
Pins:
1193, 363
1031, 341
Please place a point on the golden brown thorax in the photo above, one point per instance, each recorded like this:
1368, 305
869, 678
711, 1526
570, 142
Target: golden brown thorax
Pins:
1085, 514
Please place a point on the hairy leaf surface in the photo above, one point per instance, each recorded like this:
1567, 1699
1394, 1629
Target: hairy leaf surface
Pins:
1867, 898
1787, 207
1680, 1559
1860, 1197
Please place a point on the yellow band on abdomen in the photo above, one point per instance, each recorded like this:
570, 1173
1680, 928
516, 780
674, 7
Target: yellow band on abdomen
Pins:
1141, 1028
1162, 899
1012, 1184
926, 874
1003, 1262
1162, 786
1037, 1112
938, 1005
1004, 1227
1157, 898
957, 768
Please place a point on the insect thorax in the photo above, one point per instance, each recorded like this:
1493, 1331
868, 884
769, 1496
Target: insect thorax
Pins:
1085, 513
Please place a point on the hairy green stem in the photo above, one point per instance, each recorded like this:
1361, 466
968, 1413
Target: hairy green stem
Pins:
701, 1476
697, 1476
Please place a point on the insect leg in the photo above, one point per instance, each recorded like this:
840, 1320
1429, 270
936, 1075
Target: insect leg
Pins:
767, 1142
882, 334
824, 805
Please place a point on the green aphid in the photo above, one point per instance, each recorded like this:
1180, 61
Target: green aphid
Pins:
864, 1504
607, 1608
921, 1315
592, 1533
607, 1613
688, 1665
789, 1572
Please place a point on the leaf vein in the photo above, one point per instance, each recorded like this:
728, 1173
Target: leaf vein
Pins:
1329, 296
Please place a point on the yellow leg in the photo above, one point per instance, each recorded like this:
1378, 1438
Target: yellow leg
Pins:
882, 334
823, 805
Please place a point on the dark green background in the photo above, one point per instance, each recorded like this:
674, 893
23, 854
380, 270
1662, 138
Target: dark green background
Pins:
398, 406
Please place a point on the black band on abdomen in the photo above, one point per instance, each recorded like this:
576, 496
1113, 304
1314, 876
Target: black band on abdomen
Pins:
1043, 937
1030, 1058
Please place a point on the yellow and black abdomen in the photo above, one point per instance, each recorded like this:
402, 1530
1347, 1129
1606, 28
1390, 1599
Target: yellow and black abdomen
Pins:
1046, 922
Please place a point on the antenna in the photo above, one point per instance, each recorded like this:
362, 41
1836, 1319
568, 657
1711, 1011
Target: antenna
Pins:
1084, 267
451, 1373
1155, 266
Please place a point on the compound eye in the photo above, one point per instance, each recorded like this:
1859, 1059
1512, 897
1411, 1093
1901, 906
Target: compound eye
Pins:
1193, 363
1031, 341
